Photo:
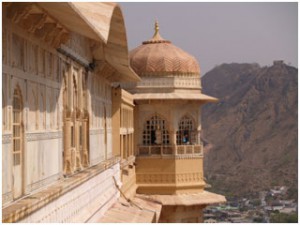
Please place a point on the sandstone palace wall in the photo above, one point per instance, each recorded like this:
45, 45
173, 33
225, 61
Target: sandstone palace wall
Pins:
64, 121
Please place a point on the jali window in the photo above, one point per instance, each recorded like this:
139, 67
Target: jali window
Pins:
186, 133
17, 121
155, 131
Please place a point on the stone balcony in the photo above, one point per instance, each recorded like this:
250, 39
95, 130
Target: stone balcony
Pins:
169, 150
170, 169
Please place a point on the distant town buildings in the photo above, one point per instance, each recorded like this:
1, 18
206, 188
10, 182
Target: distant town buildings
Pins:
252, 209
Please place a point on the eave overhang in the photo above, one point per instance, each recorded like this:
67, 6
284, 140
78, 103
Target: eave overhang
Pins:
102, 22
174, 96
202, 198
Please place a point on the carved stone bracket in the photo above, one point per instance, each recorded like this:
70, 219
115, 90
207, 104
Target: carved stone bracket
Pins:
35, 20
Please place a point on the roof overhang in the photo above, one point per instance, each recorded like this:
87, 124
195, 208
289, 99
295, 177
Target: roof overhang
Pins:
102, 22
174, 96
73, 16
116, 50
202, 198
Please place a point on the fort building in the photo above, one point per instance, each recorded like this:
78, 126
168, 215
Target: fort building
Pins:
91, 133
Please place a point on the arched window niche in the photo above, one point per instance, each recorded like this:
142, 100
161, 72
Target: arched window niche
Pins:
186, 133
156, 131
17, 144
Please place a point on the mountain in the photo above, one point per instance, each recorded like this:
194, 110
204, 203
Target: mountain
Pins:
250, 135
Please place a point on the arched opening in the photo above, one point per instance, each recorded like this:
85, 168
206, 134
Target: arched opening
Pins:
67, 127
186, 134
84, 128
17, 144
156, 132
75, 121
76, 129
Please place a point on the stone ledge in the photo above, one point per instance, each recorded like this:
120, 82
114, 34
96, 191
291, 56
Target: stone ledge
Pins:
129, 161
138, 210
201, 198
183, 156
29, 204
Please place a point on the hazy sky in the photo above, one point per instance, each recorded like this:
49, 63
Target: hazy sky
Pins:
217, 33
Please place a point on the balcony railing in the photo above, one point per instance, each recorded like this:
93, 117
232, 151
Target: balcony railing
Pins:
156, 150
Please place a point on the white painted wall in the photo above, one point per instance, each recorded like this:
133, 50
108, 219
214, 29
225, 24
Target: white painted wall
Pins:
6, 169
79, 205
42, 160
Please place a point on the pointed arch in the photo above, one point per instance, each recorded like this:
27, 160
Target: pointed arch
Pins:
186, 133
65, 94
156, 131
75, 94
84, 92
18, 143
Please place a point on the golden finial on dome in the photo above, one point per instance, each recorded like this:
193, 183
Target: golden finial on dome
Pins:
156, 27
156, 37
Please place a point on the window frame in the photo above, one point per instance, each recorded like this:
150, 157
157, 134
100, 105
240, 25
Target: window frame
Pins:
151, 125
186, 127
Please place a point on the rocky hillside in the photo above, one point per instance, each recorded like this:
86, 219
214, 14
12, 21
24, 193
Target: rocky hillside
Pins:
250, 136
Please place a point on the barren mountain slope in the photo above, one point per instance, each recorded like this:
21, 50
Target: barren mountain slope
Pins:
251, 134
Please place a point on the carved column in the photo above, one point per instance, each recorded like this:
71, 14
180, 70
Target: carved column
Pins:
70, 88
198, 137
78, 136
85, 155
173, 141
199, 127
79, 118
68, 159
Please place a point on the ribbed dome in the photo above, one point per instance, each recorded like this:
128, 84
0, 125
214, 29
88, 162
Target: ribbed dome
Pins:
158, 56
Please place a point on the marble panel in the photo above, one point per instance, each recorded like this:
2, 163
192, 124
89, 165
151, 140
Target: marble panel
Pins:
79, 205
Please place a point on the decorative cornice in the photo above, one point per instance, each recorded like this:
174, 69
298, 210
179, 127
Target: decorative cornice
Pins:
6, 138
169, 178
43, 136
74, 56
96, 131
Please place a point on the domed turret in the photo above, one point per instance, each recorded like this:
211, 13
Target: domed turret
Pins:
160, 57
167, 126
167, 72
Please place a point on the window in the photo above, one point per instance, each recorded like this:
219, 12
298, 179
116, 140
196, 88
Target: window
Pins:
18, 171
80, 135
186, 131
72, 137
155, 132
75, 123
17, 109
